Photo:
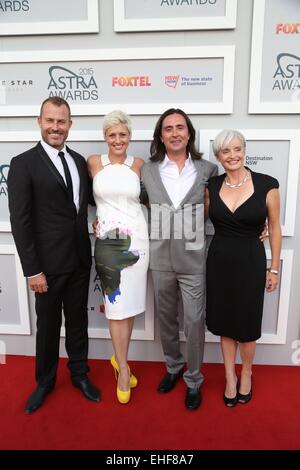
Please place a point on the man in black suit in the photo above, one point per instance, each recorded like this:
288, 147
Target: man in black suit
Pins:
49, 190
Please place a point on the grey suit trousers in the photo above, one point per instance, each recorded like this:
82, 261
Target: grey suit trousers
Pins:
167, 285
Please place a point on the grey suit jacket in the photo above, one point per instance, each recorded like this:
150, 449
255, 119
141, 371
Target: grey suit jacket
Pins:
177, 239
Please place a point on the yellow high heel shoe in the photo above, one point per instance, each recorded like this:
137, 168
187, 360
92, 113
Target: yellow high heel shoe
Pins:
122, 395
133, 381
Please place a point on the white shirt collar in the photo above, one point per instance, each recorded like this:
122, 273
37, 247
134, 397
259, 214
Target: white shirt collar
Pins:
51, 151
166, 161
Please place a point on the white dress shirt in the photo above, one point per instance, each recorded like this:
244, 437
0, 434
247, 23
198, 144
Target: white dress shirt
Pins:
177, 184
56, 160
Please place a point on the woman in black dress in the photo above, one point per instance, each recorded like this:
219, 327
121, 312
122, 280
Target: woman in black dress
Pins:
238, 204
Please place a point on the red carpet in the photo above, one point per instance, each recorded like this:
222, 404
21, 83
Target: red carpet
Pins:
150, 420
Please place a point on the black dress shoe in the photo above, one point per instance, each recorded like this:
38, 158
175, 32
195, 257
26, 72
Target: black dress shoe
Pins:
193, 398
244, 398
231, 402
169, 381
37, 398
88, 389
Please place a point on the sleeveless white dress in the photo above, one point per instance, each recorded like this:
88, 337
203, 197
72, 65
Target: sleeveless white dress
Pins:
122, 244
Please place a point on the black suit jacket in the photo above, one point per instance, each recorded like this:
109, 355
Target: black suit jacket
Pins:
50, 235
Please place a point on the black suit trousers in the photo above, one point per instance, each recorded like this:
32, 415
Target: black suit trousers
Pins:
68, 292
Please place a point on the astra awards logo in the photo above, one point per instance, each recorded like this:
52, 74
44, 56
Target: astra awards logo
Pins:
15, 6
3, 179
171, 80
287, 74
95, 303
73, 86
288, 28
171, 3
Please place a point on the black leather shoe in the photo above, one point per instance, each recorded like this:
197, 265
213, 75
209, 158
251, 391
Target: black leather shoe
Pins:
193, 398
88, 389
169, 381
37, 398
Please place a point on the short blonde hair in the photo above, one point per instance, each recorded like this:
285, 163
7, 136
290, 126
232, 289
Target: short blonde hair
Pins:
114, 119
226, 136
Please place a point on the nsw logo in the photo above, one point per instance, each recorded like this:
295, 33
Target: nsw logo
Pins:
171, 80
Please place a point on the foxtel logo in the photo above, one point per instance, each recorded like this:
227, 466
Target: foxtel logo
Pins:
288, 28
136, 81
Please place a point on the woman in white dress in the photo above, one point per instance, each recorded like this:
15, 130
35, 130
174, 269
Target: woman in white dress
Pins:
122, 245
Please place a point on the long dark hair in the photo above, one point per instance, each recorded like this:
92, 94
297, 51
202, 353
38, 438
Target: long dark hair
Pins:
158, 149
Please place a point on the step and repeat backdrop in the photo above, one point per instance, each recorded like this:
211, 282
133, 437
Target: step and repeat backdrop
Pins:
143, 80
22, 17
146, 81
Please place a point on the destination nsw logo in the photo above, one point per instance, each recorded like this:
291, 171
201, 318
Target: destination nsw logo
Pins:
287, 74
72, 86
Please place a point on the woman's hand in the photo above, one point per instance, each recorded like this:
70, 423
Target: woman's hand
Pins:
96, 228
271, 281
264, 234
206, 205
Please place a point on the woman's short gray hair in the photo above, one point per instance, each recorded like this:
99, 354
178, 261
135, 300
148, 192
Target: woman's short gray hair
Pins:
226, 136
114, 119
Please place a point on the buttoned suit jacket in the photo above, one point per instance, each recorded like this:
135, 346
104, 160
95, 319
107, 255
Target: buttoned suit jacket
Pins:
50, 235
184, 250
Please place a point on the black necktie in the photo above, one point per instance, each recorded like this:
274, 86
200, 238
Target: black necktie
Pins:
67, 175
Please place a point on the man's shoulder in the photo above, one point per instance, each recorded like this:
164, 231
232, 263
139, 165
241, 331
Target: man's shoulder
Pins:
209, 165
149, 164
27, 155
147, 167
209, 168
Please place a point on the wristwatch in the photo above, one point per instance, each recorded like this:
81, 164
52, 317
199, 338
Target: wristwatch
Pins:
273, 271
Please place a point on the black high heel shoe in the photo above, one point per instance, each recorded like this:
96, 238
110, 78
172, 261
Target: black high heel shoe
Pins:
244, 398
231, 402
